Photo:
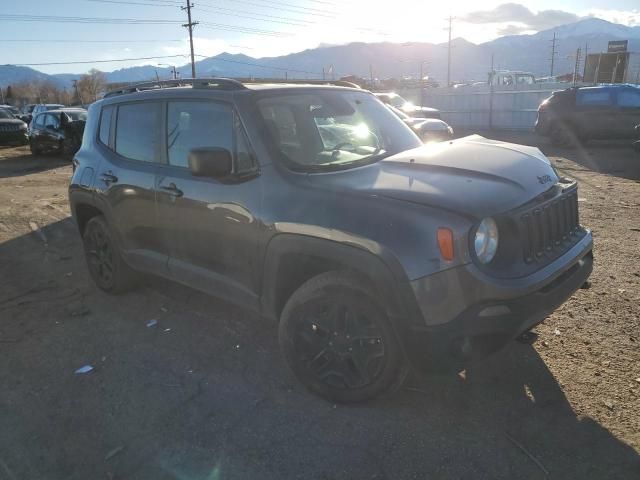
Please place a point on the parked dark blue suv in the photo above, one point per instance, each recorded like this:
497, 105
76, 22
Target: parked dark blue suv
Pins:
590, 113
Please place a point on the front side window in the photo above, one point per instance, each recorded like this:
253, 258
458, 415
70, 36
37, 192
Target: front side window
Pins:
195, 125
52, 121
333, 129
138, 131
39, 121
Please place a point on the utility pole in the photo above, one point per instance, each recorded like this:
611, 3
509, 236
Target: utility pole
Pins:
190, 26
586, 53
553, 53
491, 76
421, 84
449, 55
577, 66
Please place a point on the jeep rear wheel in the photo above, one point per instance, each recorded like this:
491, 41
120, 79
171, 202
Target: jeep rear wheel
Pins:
106, 266
338, 341
563, 135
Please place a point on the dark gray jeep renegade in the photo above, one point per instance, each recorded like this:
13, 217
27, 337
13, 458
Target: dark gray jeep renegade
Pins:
317, 207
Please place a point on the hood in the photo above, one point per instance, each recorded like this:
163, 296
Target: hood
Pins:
430, 124
11, 121
417, 111
471, 176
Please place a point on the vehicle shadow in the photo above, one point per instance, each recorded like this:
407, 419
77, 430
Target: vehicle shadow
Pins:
616, 158
204, 393
15, 162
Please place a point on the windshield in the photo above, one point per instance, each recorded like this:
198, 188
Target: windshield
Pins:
333, 129
5, 114
78, 115
396, 100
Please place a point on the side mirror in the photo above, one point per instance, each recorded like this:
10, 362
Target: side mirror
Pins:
210, 162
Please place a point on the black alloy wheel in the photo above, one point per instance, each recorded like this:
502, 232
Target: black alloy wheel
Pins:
338, 341
341, 346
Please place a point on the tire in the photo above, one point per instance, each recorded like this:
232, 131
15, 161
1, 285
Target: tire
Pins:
34, 149
338, 341
69, 146
563, 135
106, 266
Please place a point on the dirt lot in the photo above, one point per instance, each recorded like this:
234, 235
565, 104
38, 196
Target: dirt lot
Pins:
205, 394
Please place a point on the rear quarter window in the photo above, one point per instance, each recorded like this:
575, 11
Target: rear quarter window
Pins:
593, 98
105, 124
629, 99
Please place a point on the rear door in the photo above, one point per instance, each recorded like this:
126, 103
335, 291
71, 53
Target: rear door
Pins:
130, 138
595, 113
209, 226
35, 128
628, 105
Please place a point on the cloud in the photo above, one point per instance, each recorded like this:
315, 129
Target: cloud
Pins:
628, 17
520, 19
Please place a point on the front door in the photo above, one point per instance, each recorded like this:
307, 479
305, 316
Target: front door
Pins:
50, 135
208, 226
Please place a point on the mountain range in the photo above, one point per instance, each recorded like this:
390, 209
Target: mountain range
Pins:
469, 61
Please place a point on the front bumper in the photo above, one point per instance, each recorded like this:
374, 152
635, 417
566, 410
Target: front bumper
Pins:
475, 316
18, 137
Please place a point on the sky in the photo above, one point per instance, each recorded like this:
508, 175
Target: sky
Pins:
261, 28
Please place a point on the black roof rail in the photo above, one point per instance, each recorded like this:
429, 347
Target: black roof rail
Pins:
338, 83
213, 83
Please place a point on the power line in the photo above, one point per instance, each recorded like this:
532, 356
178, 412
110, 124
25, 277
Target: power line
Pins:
47, 40
256, 16
318, 13
97, 61
121, 2
100, 20
232, 28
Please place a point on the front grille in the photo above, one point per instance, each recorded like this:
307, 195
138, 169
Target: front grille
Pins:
550, 227
9, 128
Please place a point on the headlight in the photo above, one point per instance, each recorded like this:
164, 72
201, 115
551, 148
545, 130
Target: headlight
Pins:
486, 240
23, 127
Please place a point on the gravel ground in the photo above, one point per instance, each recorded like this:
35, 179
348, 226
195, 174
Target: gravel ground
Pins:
205, 394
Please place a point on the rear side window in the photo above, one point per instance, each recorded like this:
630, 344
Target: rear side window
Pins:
197, 124
105, 124
39, 121
629, 98
138, 131
593, 98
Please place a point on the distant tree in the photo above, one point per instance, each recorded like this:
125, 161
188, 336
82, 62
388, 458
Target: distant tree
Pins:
91, 85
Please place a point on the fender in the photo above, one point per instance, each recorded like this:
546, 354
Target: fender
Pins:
379, 266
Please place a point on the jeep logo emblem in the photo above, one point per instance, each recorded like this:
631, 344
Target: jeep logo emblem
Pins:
544, 179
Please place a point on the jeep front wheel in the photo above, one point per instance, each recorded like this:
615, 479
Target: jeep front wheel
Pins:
338, 341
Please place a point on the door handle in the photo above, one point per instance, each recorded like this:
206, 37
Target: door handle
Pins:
172, 190
108, 177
